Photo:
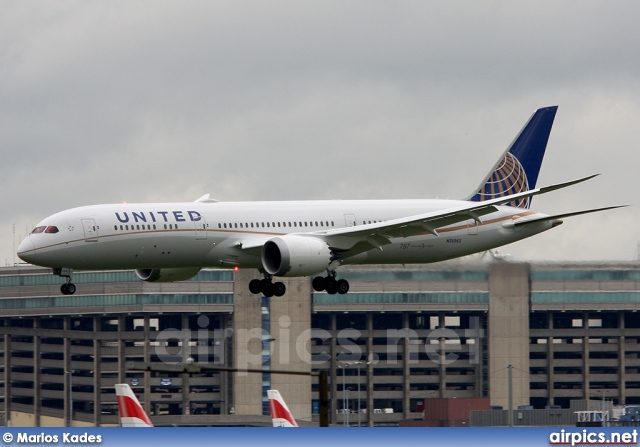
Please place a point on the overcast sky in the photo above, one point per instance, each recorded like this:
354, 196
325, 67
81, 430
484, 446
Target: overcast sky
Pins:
139, 101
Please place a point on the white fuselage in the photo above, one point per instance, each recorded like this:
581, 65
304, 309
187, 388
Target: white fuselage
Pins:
210, 234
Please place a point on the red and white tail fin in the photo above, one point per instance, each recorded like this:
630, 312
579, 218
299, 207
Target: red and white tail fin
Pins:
280, 414
131, 412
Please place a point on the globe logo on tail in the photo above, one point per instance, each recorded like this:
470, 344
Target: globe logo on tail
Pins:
508, 178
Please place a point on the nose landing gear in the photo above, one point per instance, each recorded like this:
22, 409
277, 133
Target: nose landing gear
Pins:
68, 288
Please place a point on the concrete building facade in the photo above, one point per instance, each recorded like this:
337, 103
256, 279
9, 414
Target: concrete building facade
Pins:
399, 336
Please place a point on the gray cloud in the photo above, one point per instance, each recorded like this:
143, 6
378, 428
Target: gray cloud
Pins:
161, 101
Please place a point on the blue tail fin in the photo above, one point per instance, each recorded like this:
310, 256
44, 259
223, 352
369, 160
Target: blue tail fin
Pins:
518, 168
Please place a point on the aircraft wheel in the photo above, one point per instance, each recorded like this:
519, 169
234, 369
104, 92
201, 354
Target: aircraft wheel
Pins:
329, 283
255, 286
332, 287
64, 289
279, 289
318, 283
268, 289
71, 289
342, 286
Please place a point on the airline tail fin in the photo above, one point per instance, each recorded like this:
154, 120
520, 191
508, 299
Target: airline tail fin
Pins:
131, 412
518, 168
280, 414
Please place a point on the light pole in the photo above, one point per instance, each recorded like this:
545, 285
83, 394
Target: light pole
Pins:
348, 410
510, 393
359, 409
345, 395
603, 407
70, 398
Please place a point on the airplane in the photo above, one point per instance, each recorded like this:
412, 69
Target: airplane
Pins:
174, 241
280, 414
131, 412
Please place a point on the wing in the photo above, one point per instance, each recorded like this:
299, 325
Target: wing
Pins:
379, 234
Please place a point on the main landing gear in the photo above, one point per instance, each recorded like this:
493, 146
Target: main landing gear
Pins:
327, 283
330, 284
266, 287
68, 288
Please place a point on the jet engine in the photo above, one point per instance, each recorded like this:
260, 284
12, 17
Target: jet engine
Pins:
166, 275
292, 255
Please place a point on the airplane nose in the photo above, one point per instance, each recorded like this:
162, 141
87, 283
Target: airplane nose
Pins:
27, 251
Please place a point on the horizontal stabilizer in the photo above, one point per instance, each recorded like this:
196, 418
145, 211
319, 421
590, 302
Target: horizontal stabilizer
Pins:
564, 215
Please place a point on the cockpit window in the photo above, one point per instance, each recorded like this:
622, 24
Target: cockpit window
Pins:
38, 230
51, 229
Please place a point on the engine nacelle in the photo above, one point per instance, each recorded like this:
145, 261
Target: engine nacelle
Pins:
166, 275
293, 255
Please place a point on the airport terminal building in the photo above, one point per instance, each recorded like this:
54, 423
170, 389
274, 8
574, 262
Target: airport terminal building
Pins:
400, 336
